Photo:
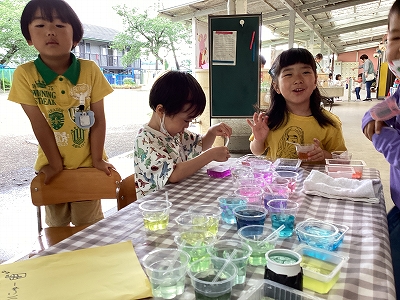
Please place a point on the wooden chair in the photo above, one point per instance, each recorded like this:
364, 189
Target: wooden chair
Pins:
126, 193
76, 185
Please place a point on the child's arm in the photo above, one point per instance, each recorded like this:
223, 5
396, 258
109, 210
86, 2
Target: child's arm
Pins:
220, 129
47, 141
186, 168
260, 130
97, 138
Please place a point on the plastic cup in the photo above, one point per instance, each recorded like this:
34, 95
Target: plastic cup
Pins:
155, 214
192, 222
224, 249
227, 204
195, 244
219, 270
214, 215
240, 172
263, 170
253, 193
278, 189
291, 176
255, 236
166, 269
341, 155
303, 149
283, 212
249, 215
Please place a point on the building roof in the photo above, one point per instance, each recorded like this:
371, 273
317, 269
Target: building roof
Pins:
343, 25
99, 33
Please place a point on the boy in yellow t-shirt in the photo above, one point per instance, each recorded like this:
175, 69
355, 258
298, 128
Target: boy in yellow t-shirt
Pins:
63, 98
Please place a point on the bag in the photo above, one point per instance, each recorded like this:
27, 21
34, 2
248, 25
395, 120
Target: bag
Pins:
370, 77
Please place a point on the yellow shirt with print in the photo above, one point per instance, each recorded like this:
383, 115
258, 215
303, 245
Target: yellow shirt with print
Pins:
58, 98
302, 130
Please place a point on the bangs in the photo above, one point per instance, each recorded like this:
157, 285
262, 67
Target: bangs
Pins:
295, 56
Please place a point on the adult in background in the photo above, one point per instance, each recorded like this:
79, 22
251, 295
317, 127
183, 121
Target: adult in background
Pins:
368, 74
318, 58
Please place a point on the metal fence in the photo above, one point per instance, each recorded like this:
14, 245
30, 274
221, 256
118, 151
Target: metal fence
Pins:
6, 75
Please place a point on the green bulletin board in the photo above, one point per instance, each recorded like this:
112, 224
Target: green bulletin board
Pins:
234, 65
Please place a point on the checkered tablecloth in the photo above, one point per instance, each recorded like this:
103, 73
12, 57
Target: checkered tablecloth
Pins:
367, 274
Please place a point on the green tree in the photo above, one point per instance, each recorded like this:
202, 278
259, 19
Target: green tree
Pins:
144, 35
13, 43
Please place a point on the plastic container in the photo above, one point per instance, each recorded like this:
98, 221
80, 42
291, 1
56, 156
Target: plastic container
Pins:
287, 164
357, 165
219, 171
337, 171
267, 289
321, 234
321, 268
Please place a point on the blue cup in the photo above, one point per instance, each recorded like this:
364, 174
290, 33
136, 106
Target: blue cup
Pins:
250, 215
227, 204
283, 212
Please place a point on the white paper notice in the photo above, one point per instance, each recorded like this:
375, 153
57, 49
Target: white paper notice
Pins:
224, 48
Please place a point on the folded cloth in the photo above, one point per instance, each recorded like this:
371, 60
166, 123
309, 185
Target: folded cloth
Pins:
321, 184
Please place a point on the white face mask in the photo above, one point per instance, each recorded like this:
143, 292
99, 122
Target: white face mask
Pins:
394, 66
162, 126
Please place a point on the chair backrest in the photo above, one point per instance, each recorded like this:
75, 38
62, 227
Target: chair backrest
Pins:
75, 185
126, 193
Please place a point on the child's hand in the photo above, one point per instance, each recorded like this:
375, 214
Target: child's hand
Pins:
259, 126
317, 154
221, 129
50, 172
103, 166
220, 154
373, 127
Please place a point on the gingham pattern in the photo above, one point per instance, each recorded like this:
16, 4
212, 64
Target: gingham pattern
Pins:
367, 274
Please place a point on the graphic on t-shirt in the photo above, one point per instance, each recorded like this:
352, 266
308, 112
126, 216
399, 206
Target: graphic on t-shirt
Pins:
61, 138
56, 118
78, 137
292, 134
80, 90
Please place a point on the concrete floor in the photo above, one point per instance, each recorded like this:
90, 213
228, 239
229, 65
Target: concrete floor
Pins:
126, 111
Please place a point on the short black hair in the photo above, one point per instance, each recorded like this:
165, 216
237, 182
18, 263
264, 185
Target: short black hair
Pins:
47, 8
364, 56
395, 9
173, 90
337, 76
319, 56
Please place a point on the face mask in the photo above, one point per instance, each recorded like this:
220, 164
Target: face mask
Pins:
162, 126
394, 66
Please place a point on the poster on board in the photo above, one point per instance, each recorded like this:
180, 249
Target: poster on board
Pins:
224, 48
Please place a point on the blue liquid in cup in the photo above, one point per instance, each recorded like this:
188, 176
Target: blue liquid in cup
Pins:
250, 217
287, 220
227, 205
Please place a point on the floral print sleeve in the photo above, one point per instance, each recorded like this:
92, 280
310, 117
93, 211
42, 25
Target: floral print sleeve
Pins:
156, 154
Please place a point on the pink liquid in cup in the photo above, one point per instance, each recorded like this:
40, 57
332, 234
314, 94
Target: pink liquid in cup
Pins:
253, 193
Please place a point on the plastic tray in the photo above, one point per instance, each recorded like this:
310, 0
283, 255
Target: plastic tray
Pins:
289, 164
337, 171
323, 239
357, 165
321, 268
267, 289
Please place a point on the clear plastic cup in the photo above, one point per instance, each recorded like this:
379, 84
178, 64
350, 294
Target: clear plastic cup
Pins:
224, 249
253, 193
341, 155
279, 189
227, 204
239, 172
166, 269
192, 222
303, 149
283, 212
214, 215
155, 214
250, 215
256, 237
215, 279
291, 176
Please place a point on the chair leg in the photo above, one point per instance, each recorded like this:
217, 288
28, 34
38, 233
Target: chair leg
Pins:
39, 220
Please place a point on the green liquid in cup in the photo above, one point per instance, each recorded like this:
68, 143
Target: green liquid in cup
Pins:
156, 222
200, 296
283, 259
168, 287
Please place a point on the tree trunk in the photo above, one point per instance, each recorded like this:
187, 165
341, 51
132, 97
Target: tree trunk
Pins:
174, 53
10, 53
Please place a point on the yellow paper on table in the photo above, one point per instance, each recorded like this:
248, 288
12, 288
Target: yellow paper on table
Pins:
107, 272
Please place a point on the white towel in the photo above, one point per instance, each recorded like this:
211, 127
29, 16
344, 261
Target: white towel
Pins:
321, 184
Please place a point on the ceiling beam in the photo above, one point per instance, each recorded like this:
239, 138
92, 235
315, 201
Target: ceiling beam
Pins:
291, 6
331, 7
